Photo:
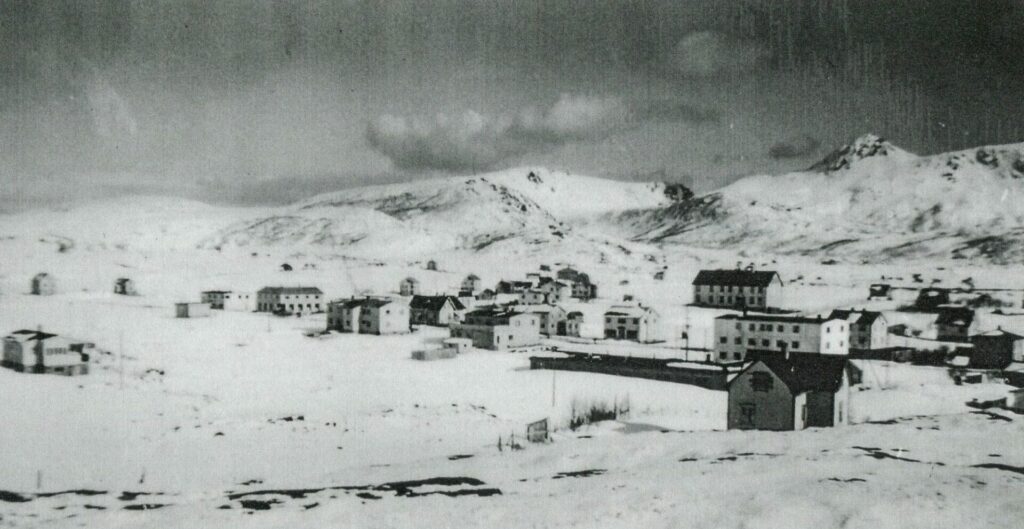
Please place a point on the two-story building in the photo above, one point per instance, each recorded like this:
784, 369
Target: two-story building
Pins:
289, 300
435, 310
409, 286
632, 322
580, 285
470, 286
737, 335
498, 328
955, 324
776, 392
868, 329
553, 319
752, 289
368, 315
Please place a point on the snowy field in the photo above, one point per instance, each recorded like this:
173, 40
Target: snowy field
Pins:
189, 423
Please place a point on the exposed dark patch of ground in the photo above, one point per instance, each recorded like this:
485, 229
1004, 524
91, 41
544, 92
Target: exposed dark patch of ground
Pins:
457, 457
848, 480
1000, 466
993, 416
75, 492
461, 486
878, 453
580, 473
13, 497
687, 459
368, 496
258, 505
144, 506
130, 496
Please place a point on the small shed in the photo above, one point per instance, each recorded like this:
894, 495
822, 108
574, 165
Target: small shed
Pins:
191, 310
659, 275
537, 431
459, 345
880, 291
125, 287
433, 354
43, 284
432, 265
285, 267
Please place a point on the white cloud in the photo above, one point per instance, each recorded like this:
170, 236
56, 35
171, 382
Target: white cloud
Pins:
710, 53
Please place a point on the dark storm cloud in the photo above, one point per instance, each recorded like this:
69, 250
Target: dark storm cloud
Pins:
798, 147
472, 141
234, 90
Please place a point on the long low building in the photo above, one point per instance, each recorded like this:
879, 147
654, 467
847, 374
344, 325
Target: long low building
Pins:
737, 335
499, 328
42, 352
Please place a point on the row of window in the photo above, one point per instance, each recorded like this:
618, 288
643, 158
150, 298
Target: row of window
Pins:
752, 342
732, 288
766, 327
752, 300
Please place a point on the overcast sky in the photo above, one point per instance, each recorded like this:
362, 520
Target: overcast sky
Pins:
268, 101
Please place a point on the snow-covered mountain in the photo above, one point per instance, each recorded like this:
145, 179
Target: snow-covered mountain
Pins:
869, 200
471, 212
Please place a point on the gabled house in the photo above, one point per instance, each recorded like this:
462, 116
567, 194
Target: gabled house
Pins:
632, 322
955, 324
368, 315
573, 321
289, 300
996, 349
752, 289
42, 352
435, 310
191, 310
432, 265
498, 328
553, 321
776, 392
470, 286
868, 329
512, 287
409, 286
579, 283
44, 284
125, 287
555, 291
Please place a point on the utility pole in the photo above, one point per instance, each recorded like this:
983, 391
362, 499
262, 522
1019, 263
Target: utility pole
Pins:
121, 360
553, 373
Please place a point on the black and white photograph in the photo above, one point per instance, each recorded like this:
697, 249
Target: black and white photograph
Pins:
737, 264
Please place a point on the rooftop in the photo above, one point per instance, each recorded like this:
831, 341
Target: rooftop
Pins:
775, 319
290, 290
743, 278
434, 302
806, 372
864, 317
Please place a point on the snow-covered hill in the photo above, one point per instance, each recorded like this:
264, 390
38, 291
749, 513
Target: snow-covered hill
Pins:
869, 200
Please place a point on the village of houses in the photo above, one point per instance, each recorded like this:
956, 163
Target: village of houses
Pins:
782, 369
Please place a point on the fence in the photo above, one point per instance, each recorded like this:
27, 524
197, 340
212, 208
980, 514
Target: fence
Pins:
707, 376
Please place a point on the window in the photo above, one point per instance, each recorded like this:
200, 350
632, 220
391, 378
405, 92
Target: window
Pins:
779, 328
764, 343
761, 381
803, 414
738, 341
796, 328
828, 330
796, 345
780, 344
736, 356
751, 327
738, 326
723, 356
747, 411
723, 340
751, 342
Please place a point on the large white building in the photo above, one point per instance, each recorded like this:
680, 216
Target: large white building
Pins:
499, 328
738, 335
289, 300
229, 300
753, 289
868, 329
632, 322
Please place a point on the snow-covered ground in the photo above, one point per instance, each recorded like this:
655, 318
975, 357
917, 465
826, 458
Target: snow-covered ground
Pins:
200, 410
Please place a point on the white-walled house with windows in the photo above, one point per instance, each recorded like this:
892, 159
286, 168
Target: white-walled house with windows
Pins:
752, 289
868, 329
229, 300
632, 322
368, 315
289, 300
738, 335
499, 328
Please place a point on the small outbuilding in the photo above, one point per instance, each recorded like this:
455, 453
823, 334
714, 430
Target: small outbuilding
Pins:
285, 267
432, 265
125, 287
1015, 400
459, 345
537, 431
955, 324
996, 349
880, 291
191, 310
44, 284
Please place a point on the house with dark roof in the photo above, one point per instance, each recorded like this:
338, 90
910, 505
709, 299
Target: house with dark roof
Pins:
880, 291
737, 335
409, 286
512, 287
498, 328
229, 300
368, 315
42, 352
780, 392
289, 300
752, 289
868, 329
955, 324
435, 310
579, 283
996, 349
